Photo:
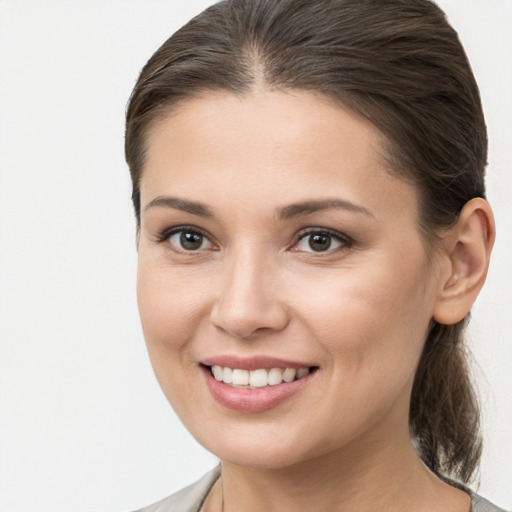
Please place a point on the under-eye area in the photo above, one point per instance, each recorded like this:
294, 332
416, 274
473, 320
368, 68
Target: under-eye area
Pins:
258, 378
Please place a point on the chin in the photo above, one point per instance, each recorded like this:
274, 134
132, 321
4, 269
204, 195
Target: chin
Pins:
269, 459
251, 448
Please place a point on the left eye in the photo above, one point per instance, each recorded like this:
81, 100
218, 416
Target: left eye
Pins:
189, 240
320, 241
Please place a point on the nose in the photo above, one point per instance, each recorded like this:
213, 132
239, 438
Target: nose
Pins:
249, 301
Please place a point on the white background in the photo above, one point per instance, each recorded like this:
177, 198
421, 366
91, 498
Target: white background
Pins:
83, 424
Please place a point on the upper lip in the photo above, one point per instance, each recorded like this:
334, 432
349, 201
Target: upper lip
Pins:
253, 362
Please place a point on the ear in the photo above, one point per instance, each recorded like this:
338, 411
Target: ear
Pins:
467, 250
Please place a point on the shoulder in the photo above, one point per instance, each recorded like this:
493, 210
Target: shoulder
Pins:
479, 504
189, 499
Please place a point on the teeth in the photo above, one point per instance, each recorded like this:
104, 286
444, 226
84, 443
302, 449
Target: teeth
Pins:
227, 375
257, 378
275, 376
302, 372
289, 374
240, 377
217, 372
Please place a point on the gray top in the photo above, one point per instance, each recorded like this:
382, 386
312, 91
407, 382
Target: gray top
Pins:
191, 498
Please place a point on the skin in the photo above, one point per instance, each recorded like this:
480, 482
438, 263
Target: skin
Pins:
359, 311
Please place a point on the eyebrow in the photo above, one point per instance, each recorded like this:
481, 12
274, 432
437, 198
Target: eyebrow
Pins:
313, 206
181, 204
286, 212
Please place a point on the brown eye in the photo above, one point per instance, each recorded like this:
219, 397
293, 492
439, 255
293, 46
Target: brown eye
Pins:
319, 241
189, 240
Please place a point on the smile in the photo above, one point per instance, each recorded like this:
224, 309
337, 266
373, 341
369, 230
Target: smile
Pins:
254, 389
258, 378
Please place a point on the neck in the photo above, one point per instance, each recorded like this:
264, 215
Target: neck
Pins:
377, 470
389, 480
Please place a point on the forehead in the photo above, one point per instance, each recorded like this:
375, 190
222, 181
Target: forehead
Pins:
298, 143
271, 119
268, 117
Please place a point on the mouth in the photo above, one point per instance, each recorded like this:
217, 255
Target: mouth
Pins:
260, 385
258, 378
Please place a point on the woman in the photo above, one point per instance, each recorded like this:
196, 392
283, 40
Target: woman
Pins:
308, 182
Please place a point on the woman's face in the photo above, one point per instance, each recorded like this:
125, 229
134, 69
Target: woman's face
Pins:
272, 237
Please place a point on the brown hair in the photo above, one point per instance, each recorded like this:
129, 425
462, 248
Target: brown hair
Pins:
399, 64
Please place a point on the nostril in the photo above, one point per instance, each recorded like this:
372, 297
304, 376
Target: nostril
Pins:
245, 311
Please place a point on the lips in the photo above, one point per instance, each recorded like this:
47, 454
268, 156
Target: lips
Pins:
256, 384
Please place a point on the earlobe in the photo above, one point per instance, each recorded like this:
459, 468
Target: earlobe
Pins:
468, 247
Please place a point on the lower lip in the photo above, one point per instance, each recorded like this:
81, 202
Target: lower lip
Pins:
253, 400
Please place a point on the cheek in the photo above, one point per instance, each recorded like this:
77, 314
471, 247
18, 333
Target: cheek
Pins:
371, 319
169, 306
372, 331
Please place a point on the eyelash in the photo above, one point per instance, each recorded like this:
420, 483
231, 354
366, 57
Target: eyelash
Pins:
166, 234
344, 240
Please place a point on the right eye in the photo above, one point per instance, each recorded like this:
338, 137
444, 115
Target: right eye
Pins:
189, 240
